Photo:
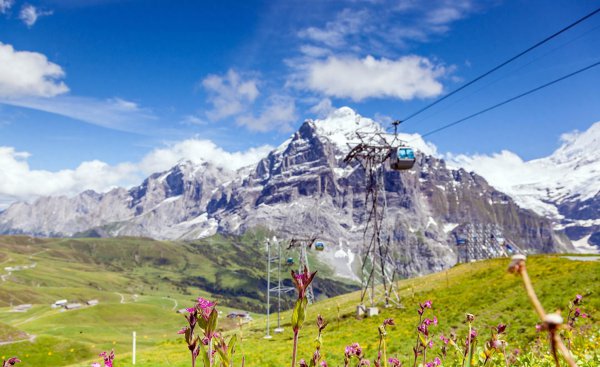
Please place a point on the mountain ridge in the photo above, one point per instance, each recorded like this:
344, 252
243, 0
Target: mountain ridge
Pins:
301, 188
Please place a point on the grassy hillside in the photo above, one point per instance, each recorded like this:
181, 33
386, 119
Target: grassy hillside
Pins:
483, 288
141, 282
231, 268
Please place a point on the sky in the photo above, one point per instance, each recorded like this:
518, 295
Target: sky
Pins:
100, 93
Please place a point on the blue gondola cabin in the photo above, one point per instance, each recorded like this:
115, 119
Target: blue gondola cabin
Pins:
290, 261
319, 246
402, 158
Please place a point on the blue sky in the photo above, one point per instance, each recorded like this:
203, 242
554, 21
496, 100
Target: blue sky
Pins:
126, 87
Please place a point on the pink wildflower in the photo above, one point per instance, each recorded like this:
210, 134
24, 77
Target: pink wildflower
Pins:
204, 304
302, 281
395, 362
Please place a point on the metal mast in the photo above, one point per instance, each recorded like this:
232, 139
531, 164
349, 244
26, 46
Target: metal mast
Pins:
378, 267
277, 289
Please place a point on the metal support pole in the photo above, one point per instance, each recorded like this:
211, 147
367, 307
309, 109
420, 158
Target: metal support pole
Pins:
268, 335
279, 289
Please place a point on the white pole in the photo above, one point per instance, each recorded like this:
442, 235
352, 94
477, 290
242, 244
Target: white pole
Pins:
268, 336
133, 354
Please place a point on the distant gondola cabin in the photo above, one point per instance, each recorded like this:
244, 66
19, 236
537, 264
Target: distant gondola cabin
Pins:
290, 261
319, 246
402, 158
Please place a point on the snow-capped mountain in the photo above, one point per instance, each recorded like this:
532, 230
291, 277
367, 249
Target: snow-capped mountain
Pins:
301, 188
564, 186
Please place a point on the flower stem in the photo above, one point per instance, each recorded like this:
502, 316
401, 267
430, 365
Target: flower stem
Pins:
504, 354
555, 340
531, 293
295, 348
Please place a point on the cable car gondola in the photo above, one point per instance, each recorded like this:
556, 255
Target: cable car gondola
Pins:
319, 246
402, 158
290, 261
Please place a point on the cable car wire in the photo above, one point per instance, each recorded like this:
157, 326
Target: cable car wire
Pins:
554, 35
509, 73
531, 91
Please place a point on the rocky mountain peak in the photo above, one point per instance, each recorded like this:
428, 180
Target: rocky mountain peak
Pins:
302, 187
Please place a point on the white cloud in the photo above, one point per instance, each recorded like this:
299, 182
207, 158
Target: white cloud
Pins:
507, 172
314, 51
405, 78
229, 94
417, 142
347, 22
193, 120
198, 151
19, 182
278, 114
5, 5
112, 113
29, 14
323, 109
28, 74
385, 25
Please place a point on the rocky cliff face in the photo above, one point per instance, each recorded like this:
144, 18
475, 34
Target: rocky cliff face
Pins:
564, 186
301, 188
163, 201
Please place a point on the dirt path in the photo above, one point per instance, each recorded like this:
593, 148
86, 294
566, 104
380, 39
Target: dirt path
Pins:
175, 304
31, 339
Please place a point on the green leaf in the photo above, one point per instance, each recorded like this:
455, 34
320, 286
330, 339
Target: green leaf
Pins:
231, 348
201, 322
211, 325
188, 336
423, 341
203, 353
224, 357
299, 314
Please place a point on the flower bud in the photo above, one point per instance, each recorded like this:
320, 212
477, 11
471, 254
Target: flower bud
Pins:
516, 263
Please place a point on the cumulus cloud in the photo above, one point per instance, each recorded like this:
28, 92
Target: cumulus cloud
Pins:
18, 181
229, 94
279, 113
28, 74
500, 169
417, 142
30, 14
198, 151
5, 5
405, 78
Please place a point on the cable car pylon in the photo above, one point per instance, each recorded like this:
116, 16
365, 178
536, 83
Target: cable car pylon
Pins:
378, 264
280, 288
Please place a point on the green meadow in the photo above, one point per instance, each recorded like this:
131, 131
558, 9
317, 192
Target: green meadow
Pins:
141, 283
